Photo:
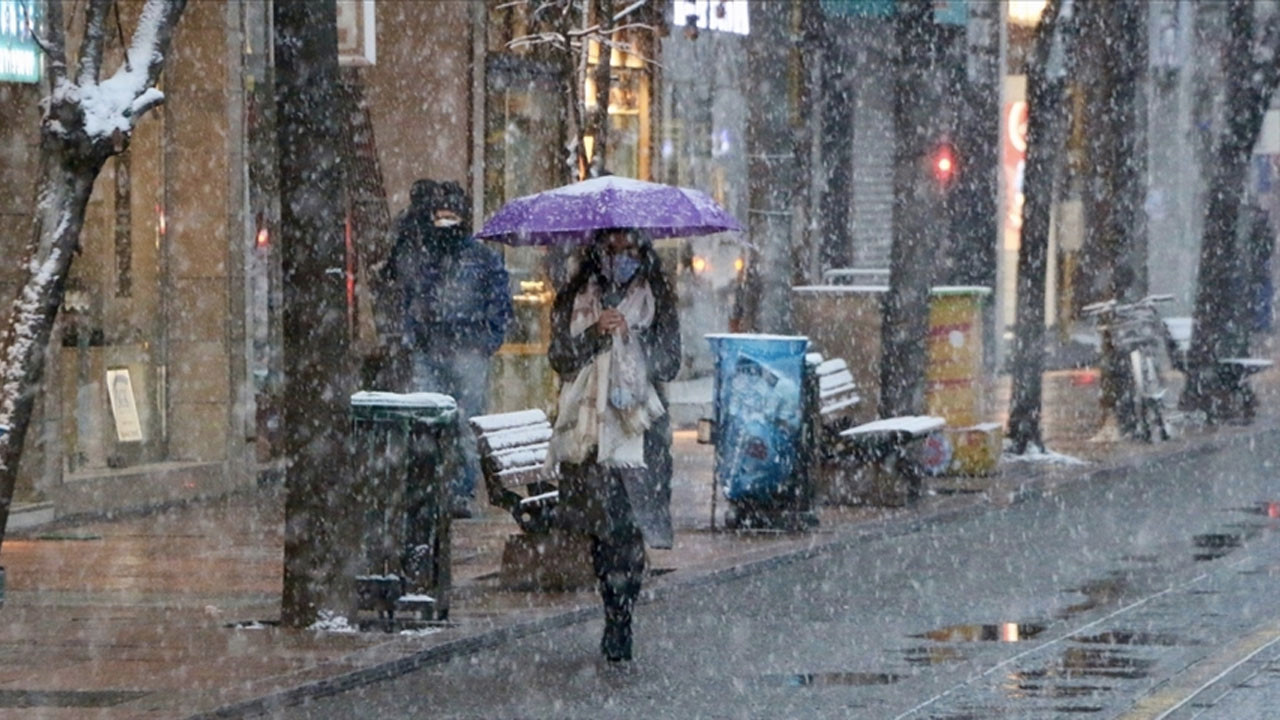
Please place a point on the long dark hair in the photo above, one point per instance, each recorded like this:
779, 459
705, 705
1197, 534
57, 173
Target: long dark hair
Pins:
651, 270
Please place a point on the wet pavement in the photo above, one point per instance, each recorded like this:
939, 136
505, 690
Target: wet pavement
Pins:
1080, 602
171, 614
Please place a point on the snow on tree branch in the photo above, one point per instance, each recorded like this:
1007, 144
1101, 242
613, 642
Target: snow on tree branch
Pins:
112, 106
95, 32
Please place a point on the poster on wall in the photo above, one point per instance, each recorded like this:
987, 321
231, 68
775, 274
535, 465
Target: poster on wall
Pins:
123, 407
357, 33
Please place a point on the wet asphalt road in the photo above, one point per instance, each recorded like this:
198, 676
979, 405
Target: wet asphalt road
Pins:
1152, 596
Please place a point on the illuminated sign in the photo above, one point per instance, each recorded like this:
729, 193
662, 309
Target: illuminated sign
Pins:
19, 54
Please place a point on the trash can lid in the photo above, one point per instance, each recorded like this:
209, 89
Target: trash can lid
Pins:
419, 405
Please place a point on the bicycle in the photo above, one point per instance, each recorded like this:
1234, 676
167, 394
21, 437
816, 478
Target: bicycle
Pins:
1138, 333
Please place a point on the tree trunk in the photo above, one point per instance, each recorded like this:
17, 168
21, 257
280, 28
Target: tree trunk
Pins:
66, 182
1217, 332
1044, 146
771, 170
905, 314
317, 361
837, 149
602, 75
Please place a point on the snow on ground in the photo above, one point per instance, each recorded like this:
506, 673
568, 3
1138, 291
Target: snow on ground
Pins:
1040, 455
332, 622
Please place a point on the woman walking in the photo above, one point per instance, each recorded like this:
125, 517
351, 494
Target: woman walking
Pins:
615, 338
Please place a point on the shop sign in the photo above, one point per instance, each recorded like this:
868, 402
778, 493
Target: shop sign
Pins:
357, 25
19, 54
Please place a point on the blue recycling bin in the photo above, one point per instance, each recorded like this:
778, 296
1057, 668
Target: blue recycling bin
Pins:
759, 419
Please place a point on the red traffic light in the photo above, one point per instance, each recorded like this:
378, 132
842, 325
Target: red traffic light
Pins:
944, 165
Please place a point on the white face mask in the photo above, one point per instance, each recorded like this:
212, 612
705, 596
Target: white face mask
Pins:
446, 222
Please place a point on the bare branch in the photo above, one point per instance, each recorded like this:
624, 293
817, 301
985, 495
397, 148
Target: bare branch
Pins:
583, 32
120, 35
629, 9
95, 25
55, 46
151, 38
545, 38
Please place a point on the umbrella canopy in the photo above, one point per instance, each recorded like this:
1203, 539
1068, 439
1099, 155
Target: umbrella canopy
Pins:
570, 215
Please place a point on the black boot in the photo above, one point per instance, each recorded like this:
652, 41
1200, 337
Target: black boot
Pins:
619, 599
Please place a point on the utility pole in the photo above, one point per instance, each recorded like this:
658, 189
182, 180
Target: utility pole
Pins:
318, 373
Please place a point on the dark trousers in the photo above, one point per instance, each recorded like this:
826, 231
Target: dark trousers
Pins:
618, 560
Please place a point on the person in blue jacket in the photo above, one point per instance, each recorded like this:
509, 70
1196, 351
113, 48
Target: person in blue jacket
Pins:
456, 304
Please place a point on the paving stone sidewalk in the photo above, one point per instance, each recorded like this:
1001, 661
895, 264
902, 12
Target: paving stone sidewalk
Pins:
171, 614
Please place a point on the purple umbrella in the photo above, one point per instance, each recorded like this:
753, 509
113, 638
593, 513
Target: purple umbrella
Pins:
570, 215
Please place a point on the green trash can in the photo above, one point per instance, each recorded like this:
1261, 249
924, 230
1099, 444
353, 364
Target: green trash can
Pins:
405, 455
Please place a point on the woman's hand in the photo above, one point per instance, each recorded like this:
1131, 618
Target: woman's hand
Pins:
612, 321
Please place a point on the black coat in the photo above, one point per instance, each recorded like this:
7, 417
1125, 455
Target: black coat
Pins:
589, 497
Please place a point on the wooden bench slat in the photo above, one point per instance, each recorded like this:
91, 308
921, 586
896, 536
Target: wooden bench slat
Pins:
522, 476
835, 380
834, 365
541, 499
841, 404
505, 421
516, 437
1258, 363
836, 391
523, 458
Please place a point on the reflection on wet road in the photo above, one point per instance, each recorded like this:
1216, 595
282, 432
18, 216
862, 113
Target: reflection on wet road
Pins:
1087, 603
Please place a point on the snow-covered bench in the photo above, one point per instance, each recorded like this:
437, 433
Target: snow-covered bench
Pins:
842, 446
1238, 400
836, 396
887, 443
513, 455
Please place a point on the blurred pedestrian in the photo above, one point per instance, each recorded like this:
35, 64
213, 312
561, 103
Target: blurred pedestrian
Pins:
615, 339
456, 304
1260, 244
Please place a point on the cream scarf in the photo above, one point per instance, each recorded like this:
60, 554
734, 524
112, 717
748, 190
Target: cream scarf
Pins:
611, 402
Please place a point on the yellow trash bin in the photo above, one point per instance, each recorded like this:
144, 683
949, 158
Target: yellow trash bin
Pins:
953, 376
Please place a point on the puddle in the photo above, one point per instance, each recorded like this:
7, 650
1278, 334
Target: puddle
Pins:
834, 679
1057, 691
1104, 662
1001, 632
932, 655
1211, 546
1078, 708
1265, 508
1097, 593
1128, 637
1144, 559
